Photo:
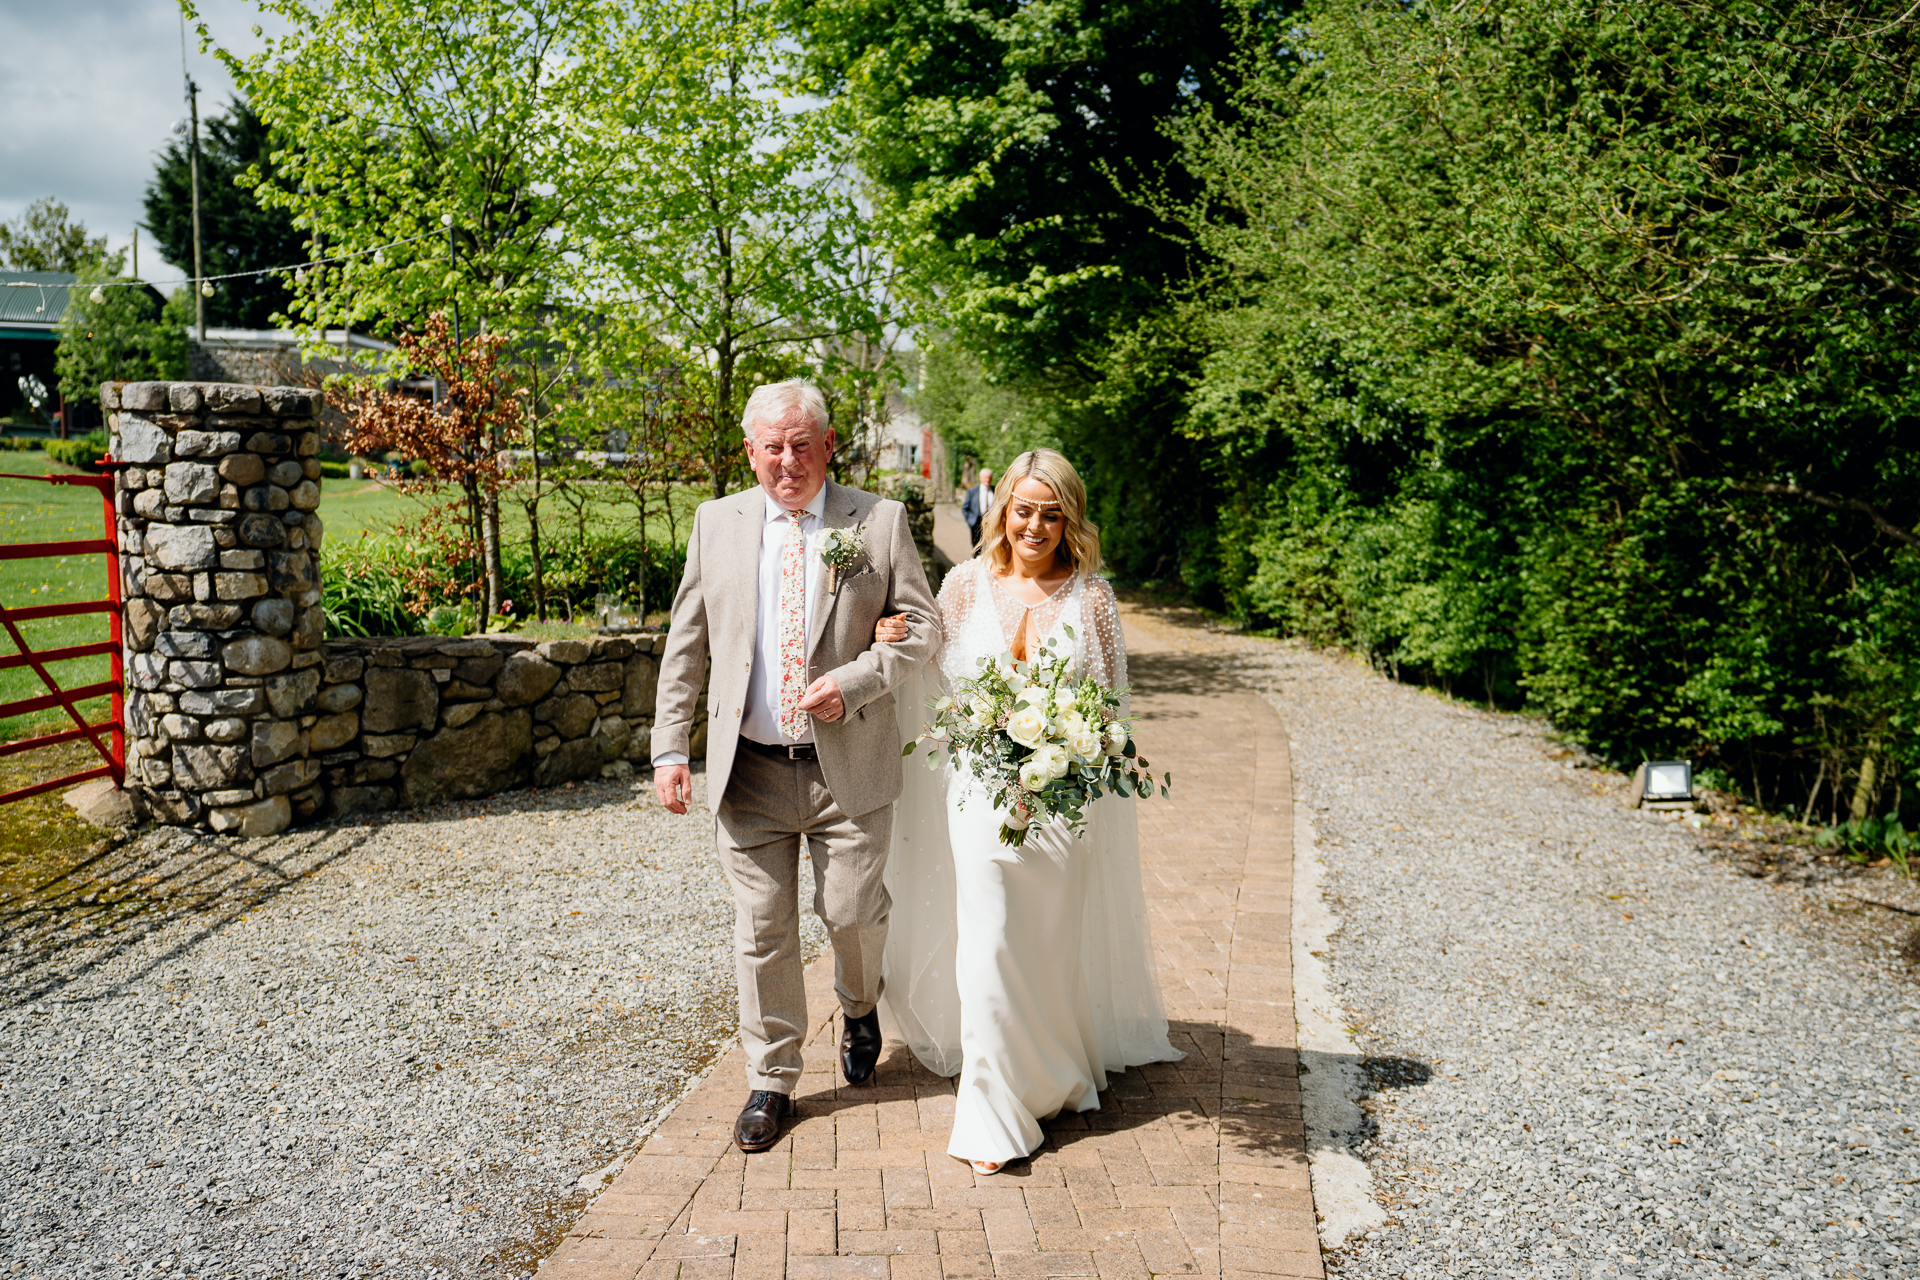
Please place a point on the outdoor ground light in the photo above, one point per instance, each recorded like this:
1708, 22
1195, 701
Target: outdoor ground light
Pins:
1666, 780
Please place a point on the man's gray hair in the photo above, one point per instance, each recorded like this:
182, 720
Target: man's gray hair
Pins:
772, 401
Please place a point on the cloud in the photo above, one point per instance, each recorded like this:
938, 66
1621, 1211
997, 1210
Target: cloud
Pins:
93, 90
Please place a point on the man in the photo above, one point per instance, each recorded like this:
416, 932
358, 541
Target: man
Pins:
979, 502
801, 738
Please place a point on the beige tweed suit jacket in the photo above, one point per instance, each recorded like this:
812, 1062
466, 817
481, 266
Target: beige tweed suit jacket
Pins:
715, 615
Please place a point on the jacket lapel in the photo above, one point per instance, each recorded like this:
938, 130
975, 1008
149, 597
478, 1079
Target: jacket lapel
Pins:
840, 513
749, 526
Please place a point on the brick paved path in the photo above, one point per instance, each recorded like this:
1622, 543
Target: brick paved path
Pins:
1188, 1168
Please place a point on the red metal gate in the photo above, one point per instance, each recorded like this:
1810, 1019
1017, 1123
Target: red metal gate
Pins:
108, 737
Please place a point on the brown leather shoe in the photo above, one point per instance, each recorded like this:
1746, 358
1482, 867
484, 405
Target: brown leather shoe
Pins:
759, 1124
860, 1046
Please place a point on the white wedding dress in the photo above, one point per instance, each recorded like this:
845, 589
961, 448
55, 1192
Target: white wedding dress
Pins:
1028, 972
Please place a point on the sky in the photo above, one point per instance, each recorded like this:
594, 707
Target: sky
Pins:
89, 91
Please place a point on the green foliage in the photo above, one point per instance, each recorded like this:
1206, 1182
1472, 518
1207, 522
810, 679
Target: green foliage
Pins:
366, 587
1568, 349
578, 569
1003, 142
236, 233
979, 418
45, 237
80, 453
1865, 839
129, 335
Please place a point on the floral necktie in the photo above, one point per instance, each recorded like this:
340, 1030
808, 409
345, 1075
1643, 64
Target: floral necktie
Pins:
793, 628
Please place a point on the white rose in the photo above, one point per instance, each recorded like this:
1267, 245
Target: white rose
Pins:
1053, 758
1033, 696
1085, 744
1072, 722
1116, 739
1043, 766
1062, 699
981, 712
1027, 727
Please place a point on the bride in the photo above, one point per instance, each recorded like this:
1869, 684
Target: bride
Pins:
1029, 971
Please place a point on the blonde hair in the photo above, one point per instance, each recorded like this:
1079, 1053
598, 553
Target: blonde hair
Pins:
1080, 543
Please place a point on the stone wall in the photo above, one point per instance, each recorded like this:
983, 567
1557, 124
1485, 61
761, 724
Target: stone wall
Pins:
427, 719
242, 717
223, 625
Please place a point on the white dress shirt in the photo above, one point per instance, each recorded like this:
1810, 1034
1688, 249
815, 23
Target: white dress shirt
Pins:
761, 716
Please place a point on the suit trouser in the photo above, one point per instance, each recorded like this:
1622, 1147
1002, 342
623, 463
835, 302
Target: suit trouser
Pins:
768, 805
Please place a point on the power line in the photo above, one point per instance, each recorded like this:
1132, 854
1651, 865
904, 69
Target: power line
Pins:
233, 275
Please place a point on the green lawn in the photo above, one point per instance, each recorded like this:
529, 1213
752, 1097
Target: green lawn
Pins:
353, 507
35, 512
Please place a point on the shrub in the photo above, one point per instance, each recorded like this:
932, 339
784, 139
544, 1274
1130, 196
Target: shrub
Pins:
84, 452
365, 590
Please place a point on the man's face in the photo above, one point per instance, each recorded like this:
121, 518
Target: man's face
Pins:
789, 458
986, 479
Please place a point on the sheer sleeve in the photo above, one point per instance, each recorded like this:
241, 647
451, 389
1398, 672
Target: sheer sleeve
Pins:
958, 595
1106, 649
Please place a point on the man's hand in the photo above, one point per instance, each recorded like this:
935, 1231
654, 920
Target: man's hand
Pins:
673, 783
822, 699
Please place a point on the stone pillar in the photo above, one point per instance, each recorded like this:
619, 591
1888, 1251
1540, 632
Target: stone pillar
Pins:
218, 540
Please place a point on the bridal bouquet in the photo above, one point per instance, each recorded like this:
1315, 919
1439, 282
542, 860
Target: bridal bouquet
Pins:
1043, 743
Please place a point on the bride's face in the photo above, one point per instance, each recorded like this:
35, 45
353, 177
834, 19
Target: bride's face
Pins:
1035, 525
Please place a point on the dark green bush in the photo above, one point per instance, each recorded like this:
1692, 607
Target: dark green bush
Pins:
576, 570
83, 452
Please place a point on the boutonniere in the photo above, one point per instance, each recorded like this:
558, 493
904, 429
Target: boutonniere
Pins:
839, 548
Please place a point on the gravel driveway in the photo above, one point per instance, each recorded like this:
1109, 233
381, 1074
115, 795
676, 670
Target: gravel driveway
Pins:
1594, 1047
1595, 1050
403, 1047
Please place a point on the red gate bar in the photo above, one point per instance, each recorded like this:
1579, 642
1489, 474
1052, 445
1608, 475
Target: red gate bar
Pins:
33, 611
48, 739
58, 699
59, 655
47, 550
114, 749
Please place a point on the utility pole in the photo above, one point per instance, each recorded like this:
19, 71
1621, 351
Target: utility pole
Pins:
199, 272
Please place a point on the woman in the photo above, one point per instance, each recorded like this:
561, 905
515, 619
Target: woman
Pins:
1028, 971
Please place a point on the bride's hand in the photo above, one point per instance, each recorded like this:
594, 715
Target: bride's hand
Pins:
891, 629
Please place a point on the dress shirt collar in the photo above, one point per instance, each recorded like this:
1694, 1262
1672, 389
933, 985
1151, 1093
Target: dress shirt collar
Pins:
816, 506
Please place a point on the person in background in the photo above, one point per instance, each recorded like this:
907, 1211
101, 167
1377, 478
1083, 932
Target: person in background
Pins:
979, 502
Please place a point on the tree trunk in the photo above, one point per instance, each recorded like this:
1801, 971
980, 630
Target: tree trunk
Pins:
1865, 789
496, 573
539, 573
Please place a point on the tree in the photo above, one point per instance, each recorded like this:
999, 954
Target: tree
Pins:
47, 238
395, 118
754, 247
459, 439
126, 336
434, 155
1003, 141
1577, 341
236, 233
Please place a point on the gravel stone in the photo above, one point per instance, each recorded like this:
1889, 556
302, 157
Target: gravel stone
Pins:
1593, 1049
396, 1046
